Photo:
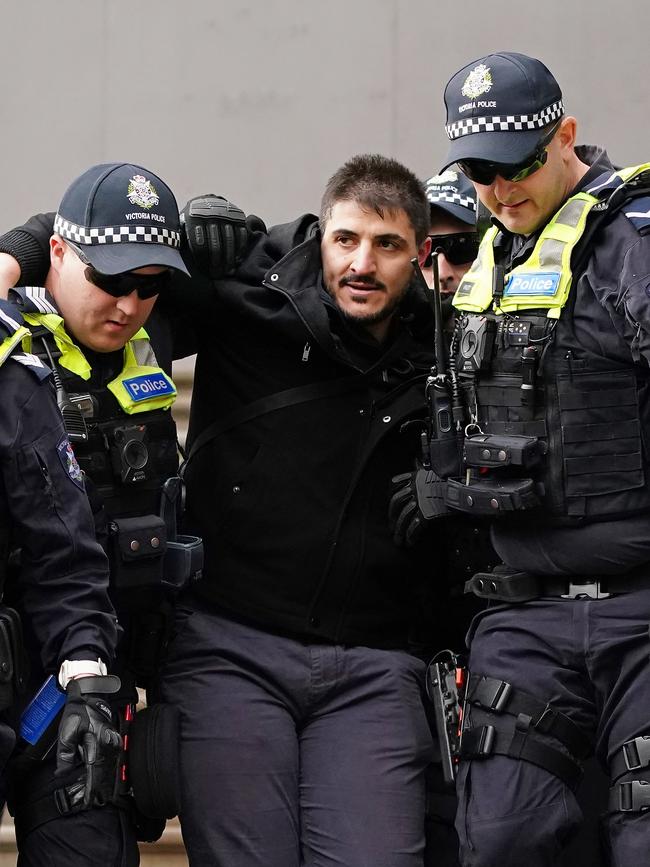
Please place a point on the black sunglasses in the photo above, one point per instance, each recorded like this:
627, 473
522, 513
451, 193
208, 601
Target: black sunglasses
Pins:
484, 172
460, 248
120, 285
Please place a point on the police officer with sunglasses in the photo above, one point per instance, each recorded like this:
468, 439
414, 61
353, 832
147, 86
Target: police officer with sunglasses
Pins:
551, 359
115, 244
453, 228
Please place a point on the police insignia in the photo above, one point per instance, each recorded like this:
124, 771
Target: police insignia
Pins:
148, 385
479, 81
447, 177
142, 192
69, 462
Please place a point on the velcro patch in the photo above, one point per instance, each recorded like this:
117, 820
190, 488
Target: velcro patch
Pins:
534, 283
147, 386
69, 462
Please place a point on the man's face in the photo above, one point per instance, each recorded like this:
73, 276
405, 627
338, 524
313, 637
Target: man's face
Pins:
450, 274
367, 262
93, 317
523, 206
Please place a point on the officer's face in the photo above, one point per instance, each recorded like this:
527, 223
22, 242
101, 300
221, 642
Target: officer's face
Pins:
367, 263
524, 206
93, 317
450, 274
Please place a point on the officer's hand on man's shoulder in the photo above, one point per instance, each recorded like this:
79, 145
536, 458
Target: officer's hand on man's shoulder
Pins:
216, 234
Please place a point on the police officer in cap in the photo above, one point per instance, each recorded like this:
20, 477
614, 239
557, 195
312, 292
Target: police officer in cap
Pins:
115, 244
453, 229
61, 586
551, 357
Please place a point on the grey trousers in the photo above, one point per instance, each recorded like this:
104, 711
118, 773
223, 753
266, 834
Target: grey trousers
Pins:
296, 753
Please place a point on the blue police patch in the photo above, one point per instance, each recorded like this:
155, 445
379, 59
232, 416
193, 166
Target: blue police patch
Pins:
147, 386
537, 283
69, 462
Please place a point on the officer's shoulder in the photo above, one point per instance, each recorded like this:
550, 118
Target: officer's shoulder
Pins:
637, 212
11, 319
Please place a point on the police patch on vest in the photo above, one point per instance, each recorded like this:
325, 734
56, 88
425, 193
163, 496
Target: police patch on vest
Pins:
537, 283
147, 386
69, 462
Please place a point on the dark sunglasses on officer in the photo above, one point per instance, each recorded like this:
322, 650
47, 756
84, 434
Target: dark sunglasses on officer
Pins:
484, 172
119, 285
459, 248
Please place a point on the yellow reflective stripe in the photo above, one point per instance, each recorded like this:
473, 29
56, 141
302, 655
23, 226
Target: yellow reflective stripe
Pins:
72, 358
9, 343
474, 294
123, 397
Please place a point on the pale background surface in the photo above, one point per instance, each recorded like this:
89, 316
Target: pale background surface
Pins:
261, 100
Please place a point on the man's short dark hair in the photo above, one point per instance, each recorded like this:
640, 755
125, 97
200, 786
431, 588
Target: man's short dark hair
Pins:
380, 184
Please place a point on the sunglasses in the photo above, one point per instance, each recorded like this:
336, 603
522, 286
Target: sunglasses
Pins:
484, 172
460, 248
120, 285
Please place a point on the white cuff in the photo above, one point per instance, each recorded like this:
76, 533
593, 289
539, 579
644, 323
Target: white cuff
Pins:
71, 669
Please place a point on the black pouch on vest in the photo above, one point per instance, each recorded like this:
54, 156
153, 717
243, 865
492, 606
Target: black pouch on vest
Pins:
137, 547
13, 661
154, 761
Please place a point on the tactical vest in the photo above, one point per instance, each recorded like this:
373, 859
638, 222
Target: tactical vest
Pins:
522, 374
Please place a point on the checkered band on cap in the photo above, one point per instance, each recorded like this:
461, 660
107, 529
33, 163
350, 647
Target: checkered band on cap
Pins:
116, 234
506, 122
453, 198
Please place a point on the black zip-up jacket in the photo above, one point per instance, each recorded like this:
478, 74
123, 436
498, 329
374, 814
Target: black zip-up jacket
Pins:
292, 504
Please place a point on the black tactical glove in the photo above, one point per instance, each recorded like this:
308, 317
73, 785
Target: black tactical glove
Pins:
216, 234
86, 732
418, 498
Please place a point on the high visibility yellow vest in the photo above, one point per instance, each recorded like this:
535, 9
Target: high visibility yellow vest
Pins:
543, 281
141, 385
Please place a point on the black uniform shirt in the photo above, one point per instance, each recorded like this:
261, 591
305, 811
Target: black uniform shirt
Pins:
62, 586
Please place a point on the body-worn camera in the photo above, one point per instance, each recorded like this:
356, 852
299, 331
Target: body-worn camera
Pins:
496, 451
129, 453
476, 342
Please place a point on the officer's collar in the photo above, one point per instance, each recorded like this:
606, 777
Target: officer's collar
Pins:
33, 299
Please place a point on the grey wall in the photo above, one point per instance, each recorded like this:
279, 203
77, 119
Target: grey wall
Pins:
263, 99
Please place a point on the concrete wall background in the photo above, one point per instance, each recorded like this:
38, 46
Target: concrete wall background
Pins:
262, 99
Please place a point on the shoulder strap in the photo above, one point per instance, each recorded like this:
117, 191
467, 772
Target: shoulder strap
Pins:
271, 403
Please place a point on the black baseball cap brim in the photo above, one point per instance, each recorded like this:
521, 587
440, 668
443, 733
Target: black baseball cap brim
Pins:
119, 258
507, 148
457, 211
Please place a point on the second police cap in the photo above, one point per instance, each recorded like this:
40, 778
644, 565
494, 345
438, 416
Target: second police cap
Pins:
498, 107
123, 217
453, 193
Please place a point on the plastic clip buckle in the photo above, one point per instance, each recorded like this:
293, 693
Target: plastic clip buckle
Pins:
588, 590
634, 796
637, 753
478, 743
491, 694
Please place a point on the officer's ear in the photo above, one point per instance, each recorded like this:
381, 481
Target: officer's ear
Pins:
58, 250
423, 251
566, 135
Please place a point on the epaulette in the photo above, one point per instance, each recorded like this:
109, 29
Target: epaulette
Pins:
33, 363
638, 213
33, 299
11, 319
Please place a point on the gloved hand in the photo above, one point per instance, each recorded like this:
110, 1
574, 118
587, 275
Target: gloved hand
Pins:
216, 234
86, 732
418, 498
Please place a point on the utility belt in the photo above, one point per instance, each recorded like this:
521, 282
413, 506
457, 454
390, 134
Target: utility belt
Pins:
505, 585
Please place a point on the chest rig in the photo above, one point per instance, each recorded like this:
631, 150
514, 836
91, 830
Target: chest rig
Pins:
116, 412
550, 424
